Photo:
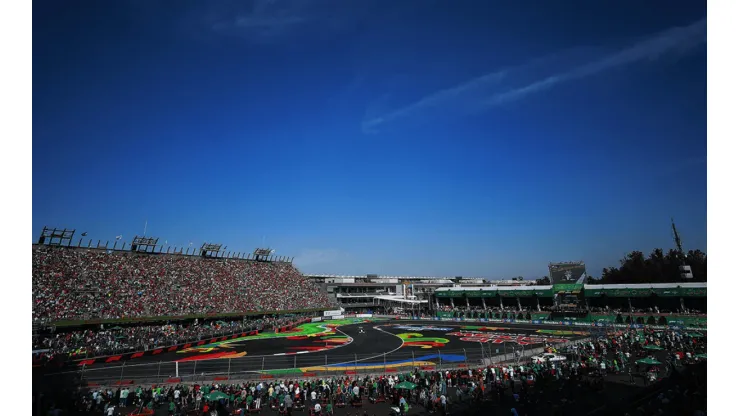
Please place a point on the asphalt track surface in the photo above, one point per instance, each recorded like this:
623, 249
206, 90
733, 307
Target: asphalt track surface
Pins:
370, 346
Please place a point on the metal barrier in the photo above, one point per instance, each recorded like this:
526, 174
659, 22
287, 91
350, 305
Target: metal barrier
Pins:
302, 366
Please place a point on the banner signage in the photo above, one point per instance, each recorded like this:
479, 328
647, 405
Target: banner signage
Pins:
333, 313
364, 315
337, 317
318, 319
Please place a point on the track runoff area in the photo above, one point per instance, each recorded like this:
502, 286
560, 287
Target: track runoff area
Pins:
339, 347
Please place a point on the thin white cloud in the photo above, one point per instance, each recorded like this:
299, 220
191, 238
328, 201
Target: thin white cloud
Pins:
271, 21
675, 41
436, 99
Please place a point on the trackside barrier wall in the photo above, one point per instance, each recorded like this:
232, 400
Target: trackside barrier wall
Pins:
205, 339
541, 322
303, 366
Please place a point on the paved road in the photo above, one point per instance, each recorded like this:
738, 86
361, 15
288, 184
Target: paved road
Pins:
374, 347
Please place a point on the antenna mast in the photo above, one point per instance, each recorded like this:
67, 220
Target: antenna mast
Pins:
684, 268
677, 239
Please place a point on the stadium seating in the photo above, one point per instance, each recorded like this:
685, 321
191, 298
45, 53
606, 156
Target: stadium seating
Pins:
117, 340
72, 284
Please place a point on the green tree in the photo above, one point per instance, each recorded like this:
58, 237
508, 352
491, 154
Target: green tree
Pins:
659, 267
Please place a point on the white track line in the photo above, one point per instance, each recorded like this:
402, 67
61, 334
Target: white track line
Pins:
376, 356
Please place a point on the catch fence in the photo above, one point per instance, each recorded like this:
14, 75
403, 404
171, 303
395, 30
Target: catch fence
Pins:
302, 365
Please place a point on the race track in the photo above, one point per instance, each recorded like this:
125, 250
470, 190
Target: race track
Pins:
354, 346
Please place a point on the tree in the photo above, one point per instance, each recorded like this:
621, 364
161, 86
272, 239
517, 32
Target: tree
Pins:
591, 281
657, 268
544, 281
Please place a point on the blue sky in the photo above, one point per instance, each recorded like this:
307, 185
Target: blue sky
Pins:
439, 138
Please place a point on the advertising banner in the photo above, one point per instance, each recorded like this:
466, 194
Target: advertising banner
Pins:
337, 317
364, 315
332, 313
317, 319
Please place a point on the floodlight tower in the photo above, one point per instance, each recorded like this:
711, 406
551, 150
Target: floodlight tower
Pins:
210, 250
56, 236
263, 254
685, 268
144, 244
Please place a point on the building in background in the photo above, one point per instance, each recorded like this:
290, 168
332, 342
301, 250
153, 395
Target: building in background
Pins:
374, 292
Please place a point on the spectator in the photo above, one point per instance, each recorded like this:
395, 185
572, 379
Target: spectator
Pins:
71, 284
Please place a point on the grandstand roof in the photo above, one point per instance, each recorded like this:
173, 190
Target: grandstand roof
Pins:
400, 300
339, 276
622, 290
495, 287
646, 286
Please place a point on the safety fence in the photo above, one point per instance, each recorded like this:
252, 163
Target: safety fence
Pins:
694, 326
295, 366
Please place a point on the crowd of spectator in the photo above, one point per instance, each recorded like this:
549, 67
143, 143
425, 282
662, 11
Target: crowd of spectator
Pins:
654, 309
120, 340
72, 284
570, 387
494, 309
581, 309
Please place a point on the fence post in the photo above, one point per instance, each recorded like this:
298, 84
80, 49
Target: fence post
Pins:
413, 359
122, 367
228, 370
195, 364
384, 367
159, 370
355, 363
177, 369
295, 358
466, 357
263, 363
326, 363
439, 354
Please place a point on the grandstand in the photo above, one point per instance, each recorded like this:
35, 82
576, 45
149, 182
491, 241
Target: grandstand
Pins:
165, 302
93, 282
681, 303
375, 292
